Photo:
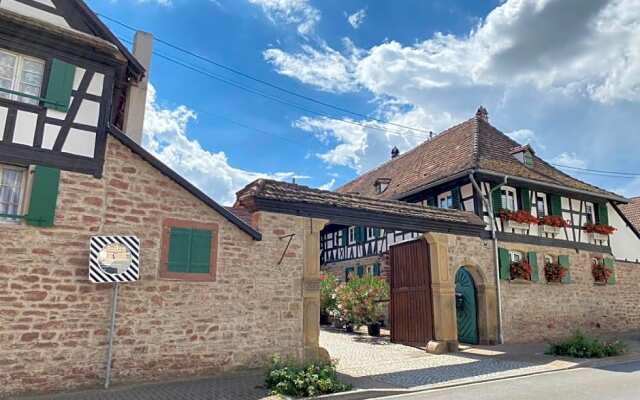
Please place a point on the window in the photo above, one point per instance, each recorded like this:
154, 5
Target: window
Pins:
548, 259
515, 256
22, 74
189, 250
589, 212
12, 184
352, 234
370, 233
541, 206
509, 201
445, 200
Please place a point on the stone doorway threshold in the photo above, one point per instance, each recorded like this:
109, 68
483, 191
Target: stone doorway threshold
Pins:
376, 367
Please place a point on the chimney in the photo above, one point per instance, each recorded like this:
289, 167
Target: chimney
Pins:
137, 96
395, 152
482, 114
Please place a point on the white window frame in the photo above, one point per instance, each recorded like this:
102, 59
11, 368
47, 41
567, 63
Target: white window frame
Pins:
545, 208
588, 210
445, 200
515, 256
23, 191
352, 235
507, 192
16, 80
370, 235
548, 258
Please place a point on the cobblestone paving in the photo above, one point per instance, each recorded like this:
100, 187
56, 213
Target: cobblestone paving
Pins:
237, 387
376, 363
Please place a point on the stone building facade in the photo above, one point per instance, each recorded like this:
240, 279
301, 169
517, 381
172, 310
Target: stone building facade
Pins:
54, 321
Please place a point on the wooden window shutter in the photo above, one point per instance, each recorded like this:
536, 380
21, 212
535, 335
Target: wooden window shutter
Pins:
525, 200
455, 198
608, 263
533, 262
44, 195
360, 234
179, 250
496, 199
345, 235
602, 215
376, 269
431, 202
60, 85
200, 251
504, 263
555, 205
360, 271
564, 262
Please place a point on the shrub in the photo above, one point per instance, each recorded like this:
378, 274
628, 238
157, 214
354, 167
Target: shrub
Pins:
582, 346
359, 299
310, 379
328, 298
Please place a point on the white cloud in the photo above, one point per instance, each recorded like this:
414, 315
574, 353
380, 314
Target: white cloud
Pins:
357, 18
329, 185
165, 136
296, 12
527, 136
160, 2
631, 189
569, 159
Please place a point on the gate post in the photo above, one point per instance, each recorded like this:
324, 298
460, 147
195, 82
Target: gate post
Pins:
443, 292
311, 290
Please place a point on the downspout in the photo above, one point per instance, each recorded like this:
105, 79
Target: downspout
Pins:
488, 201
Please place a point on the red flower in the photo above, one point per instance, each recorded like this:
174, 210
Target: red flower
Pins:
520, 270
599, 228
520, 216
553, 220
554, 272
600, 272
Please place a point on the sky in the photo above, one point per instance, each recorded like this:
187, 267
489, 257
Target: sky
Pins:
326, 88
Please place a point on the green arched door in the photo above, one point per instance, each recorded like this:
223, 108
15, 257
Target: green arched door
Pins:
466, 307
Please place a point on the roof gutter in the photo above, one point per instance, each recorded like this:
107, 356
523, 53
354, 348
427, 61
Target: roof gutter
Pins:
612, 197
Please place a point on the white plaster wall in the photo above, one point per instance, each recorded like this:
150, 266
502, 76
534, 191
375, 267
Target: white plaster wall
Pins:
33, 12
625, 245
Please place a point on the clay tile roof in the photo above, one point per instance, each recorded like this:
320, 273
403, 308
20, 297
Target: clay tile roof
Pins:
631, 210
471, 145
284, 193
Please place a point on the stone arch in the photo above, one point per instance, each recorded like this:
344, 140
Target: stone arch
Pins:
486, 301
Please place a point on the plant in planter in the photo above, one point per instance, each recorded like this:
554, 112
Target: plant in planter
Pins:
600, 272
552, 223
554, 272
520, 270
360, 299
518, 219
328, 297
601, 229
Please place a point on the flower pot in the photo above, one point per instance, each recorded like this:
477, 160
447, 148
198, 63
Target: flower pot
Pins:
550, 229
324, 319
599, 236
373, 329
517, 226
348, 328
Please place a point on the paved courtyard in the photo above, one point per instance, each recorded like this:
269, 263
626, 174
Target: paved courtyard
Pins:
368, 363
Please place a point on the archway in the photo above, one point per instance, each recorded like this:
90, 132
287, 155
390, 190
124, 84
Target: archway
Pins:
466, 307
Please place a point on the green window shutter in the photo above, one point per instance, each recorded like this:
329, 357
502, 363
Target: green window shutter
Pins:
360, 270
60, 85
496, 199
456, 198
44, 195
345, 236
200, 251
377, 232
602, 215
431, 201
608, 262
525, 200
376, 269
348, 273
555, 204
505, 264
533, 262
360, 234
179, 250
564, 262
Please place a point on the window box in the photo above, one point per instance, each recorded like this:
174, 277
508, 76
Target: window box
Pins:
519, 220
554, 230
189, 250
517, 225
597, 237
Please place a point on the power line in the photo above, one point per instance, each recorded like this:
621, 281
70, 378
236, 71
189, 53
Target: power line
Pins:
264, 82
610, 174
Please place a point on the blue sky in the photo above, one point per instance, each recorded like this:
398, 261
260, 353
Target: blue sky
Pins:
563, 75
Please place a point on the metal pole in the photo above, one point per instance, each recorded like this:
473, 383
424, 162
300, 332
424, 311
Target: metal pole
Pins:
488, 200
114, 305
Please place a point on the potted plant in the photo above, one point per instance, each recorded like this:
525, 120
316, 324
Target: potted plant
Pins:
520, 270
600, 272
554, 272
599, 231
521, 219
552, 224
328, 298
360, 301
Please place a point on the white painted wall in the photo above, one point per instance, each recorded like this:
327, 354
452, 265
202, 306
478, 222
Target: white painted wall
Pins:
625, 245
36, 13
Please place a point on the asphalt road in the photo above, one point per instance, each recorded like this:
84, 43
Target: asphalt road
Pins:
614, 382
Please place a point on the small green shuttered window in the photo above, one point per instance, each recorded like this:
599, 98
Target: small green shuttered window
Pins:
44, 195
189, 250
555, 205
602, 215
58, 96
532, 257
564, 262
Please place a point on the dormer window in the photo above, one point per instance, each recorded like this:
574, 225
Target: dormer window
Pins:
382, 184
524, 154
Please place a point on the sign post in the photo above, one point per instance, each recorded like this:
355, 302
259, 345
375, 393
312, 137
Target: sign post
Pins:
113, 259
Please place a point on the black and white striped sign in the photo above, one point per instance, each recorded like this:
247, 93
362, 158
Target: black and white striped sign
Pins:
114, 259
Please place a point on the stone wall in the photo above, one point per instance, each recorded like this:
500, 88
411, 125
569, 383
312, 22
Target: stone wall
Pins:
54, 322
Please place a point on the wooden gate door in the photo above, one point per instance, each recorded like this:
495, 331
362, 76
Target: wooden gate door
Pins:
410, 311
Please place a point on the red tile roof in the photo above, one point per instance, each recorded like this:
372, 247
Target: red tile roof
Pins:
631, 210
471, 145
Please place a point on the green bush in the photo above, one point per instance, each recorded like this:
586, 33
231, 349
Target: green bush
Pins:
582, 346
359, 300
310, 379
328, 299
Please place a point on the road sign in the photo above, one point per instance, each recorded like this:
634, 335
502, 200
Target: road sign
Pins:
114, 259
